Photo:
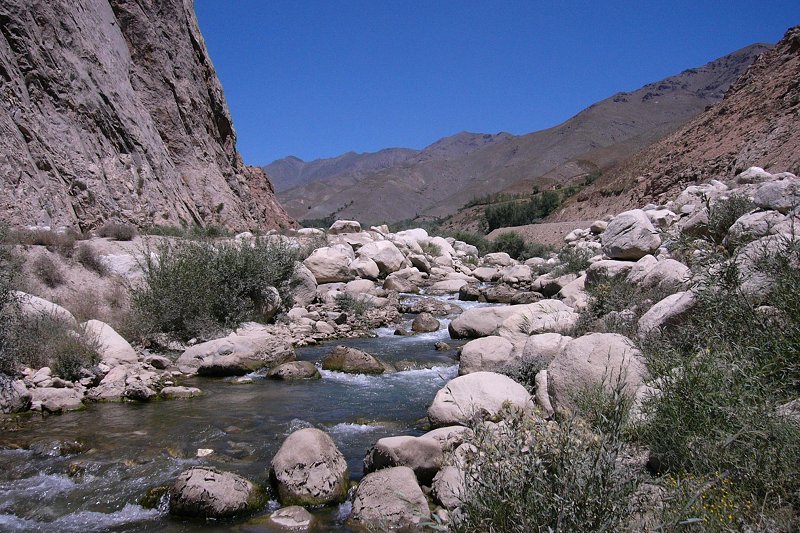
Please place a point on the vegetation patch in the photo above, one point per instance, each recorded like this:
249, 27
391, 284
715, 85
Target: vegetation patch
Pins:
117, 231
197, 288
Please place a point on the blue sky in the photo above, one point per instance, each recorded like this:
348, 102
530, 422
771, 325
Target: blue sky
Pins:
320, 78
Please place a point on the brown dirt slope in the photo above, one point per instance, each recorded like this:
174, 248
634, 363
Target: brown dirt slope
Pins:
756, 124
111, 109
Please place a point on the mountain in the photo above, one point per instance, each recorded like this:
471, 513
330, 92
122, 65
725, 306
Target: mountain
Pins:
293, 172
449, 173
111, 109
755, 124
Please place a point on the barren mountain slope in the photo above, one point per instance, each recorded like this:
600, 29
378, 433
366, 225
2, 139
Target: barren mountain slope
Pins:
293, 172
112, 109
754, 125
609, 131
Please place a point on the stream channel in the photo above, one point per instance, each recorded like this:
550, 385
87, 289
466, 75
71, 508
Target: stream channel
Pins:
129, 448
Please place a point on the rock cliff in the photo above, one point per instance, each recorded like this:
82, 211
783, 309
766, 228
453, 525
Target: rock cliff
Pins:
111, 109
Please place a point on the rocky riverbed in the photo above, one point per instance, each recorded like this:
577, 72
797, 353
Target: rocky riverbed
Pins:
291, 414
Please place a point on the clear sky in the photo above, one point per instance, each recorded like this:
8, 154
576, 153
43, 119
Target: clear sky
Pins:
319, 78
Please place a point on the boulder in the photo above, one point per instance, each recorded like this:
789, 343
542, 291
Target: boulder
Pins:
309, 469
550, 284
390, 498
241, 352
667, 275
385, 254
516, 274
400, 284
497, 294
751, 226
598, 227
446, 286
35, 307
423, 455
487, 354
14, 396
596, 359
292, 518
420, 262
480, 394
303, 285
449, 437
542, 348
113, 349
112, 386
485, 273
425, 323
366, 268
607, 269
294, 370
781, 195
359, 286
449, 486
668, 312
497, 259
540, 317
176, 393
352, 361
574, 293
345, 226
53, 400
205, 492
330, 265
630, 236
640, 269
158, 361
662, 218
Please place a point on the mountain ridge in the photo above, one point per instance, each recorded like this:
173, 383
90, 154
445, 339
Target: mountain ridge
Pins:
434, 187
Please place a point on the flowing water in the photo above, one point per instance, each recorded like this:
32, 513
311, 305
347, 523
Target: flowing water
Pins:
126, 449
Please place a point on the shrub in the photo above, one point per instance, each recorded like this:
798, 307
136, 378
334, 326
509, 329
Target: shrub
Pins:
531, 475
524, 372
723, 213
117, 231
86, 255
431, 248
478, 241
354, 304
195, 288
722, 375
521, 213
48, 271
510, 243
45, 341
573, 260
61, 242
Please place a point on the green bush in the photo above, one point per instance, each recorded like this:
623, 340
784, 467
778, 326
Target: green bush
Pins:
518, 213
45, 341
722, 374
531, 475
573, 260
354, 304
723, 213
510, 243
197, 288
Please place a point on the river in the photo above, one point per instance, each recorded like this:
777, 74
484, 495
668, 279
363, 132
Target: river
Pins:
126, 449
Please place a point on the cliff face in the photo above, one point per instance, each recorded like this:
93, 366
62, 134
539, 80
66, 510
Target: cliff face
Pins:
755, 124
111, 109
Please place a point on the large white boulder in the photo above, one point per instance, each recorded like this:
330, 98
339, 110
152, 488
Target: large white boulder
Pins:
330, 265
303, 285
422, 454
487, 354
667, 312
390, 498
345, 226
385, 254
309, 469
594, 360
113, 349
205, 492
239, 353
35, 307
480, 394
630, 236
